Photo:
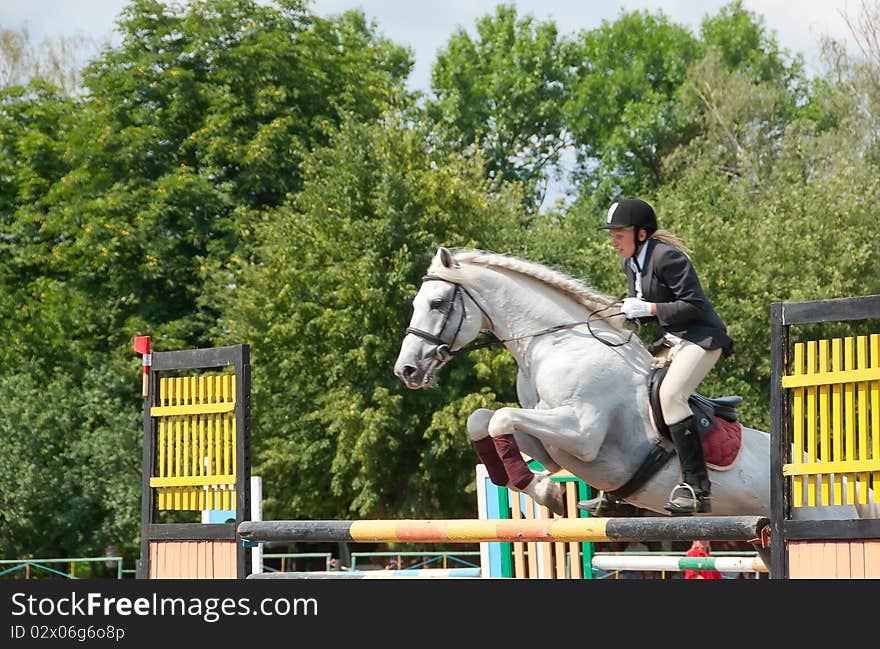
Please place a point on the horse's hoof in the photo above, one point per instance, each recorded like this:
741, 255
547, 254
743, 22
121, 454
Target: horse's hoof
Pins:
547, 493
605, 507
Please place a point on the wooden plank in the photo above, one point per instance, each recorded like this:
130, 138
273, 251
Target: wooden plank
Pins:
200, 358
559, 563
519, 564
810, 426
185, 409
823, 560
849, 442
875, 413
189, 557
824, 422
232, 423
203, 566
807, 530
201, 449
857, 560
154, 559
231, 571
844, 466
531, 546
575, 569
837, 417
862, 389
177, 501
841, 550
797, 559
780, 438
190, 531
228, 443
190, 481
797, 414
173, 561
830, 378
871, 550
831, 310
185, 450
547, 550
210, 426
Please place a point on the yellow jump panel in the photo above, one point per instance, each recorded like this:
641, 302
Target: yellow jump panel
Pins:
196, 445
835, 407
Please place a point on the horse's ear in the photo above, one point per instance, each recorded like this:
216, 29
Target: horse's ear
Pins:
446, 257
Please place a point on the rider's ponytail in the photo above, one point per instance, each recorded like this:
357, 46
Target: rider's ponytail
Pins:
673, 240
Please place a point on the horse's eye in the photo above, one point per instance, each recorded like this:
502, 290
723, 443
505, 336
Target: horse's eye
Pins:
438, 303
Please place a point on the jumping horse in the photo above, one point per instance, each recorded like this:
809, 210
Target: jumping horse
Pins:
582, 385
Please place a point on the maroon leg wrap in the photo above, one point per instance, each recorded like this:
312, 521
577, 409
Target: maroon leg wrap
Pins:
485, 449
517, 470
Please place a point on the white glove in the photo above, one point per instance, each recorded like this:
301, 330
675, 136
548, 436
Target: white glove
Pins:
633, 308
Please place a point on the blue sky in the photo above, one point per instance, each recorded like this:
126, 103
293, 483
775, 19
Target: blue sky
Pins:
426, 26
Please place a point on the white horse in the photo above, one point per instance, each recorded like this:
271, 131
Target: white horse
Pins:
582, 387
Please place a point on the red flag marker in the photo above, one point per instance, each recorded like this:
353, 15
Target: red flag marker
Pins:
142, 346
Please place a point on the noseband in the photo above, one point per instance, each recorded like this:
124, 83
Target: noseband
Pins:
443, 350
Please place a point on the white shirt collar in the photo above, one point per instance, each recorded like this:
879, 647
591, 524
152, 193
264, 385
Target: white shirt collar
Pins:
643, 253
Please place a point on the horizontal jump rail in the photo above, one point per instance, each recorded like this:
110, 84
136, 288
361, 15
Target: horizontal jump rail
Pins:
597, 530
679, 564
415, 573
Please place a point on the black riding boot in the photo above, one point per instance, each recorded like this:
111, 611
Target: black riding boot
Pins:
692, 495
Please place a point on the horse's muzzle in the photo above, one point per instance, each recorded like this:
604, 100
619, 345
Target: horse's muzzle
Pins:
418, 374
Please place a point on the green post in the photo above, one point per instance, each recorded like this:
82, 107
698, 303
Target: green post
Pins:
585, 492
506, 548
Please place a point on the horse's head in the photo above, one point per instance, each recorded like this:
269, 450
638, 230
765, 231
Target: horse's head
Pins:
445, 317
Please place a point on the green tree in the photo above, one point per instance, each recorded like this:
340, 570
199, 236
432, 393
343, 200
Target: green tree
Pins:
325, 305
772, 214
626, 113
123, 208
503, 91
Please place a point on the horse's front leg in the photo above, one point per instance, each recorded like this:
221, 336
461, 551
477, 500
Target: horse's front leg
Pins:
505, 464
504, 423
512, 470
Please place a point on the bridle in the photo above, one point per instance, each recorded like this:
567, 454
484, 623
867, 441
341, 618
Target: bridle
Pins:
443, 350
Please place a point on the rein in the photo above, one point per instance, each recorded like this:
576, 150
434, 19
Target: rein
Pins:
444, 351
549, 330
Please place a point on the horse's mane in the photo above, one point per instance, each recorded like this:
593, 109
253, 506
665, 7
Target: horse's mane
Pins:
574, 288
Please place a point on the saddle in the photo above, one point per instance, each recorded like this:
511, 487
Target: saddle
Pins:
705, 409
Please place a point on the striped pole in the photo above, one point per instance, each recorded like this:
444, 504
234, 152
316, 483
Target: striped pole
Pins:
412, 573
679, 564
716, 528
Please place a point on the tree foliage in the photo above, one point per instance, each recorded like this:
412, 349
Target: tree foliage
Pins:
124, 208
329, 288
504, 92
238, 173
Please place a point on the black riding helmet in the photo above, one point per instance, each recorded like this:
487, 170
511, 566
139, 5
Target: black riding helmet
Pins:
631, 212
